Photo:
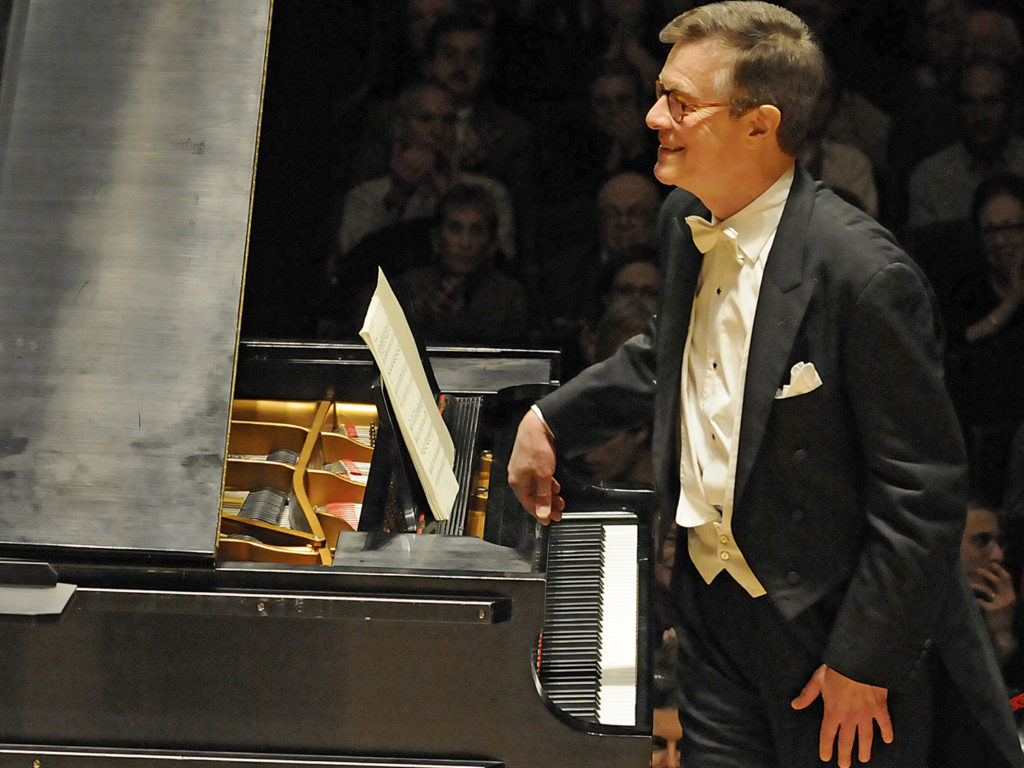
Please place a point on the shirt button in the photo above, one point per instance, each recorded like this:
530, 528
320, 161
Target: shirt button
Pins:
718, 291
724, 555
797, 515
800, 454
724, 539
793, 578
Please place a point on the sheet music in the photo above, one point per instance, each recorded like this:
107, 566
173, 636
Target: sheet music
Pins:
386, 332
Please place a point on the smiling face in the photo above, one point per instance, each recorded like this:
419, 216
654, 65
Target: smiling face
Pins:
1001, 221
701, 152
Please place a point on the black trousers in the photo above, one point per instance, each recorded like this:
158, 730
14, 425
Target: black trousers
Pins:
741, 664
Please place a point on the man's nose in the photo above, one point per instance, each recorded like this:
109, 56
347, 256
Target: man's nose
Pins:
998, 553
658, 117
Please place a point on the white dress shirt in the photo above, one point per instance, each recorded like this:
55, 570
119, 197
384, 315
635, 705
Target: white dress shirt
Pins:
714, 369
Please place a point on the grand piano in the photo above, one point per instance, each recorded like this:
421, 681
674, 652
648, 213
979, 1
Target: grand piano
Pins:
147, 612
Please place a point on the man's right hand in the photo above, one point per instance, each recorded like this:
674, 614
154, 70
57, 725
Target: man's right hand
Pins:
531, 471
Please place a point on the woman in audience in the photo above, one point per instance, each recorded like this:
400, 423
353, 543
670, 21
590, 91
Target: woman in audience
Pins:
986, 331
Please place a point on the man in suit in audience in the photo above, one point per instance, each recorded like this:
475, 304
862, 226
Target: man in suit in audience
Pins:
802, 435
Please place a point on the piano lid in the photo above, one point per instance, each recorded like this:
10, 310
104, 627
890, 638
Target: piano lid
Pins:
127, 145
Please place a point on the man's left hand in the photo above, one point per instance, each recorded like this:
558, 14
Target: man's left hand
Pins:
851, 711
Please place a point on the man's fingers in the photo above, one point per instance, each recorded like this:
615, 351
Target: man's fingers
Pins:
865, 738
844, 745
827, 738
542, 510
810, 692
885, 725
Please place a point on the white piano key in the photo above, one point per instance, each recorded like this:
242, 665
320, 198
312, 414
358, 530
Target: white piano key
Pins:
619, 627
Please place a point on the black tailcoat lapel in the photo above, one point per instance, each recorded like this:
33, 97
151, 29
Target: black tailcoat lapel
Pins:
785, 292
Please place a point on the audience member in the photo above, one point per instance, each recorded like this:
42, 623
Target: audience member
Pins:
416, 18
941, 37
572, 259
631, 274
985, 345
859, 72
843, 167
628, 290
616, 111
620, 302
463, 296
864, 40
941, 186
630, 31
491, 139
625, 214
591, 140
668, 736
990, 32
926, 89
422, 168
621, 321
371, 108
982, 552
627, 210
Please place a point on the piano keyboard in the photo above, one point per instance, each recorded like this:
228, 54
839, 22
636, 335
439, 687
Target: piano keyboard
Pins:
588, 649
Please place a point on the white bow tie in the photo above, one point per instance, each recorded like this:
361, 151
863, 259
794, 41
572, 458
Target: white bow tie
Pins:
707, 235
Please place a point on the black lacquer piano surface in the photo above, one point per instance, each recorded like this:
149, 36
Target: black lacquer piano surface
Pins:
146, 614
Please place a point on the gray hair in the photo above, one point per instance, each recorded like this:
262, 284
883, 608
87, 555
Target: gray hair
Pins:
776, 59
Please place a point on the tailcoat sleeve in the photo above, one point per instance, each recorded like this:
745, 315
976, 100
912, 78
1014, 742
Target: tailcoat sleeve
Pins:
914, 479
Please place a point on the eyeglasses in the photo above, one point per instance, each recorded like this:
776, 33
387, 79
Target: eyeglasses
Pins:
994, 230
677, 106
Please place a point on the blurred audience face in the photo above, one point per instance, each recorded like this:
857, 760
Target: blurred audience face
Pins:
943, 34
460, 62
430, 120
1001, 223
982, 542
991, 33
464, 240
420, 17
984, 109
639, 281
668, 735
612, 96
627, 208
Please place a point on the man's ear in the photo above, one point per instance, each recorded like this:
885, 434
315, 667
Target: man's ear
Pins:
763, 122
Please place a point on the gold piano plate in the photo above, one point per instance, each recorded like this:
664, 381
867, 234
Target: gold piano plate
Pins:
295, 478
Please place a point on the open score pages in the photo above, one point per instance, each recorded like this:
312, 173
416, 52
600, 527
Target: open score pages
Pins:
386, 332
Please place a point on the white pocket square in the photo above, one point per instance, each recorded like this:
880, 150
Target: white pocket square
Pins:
802, 379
